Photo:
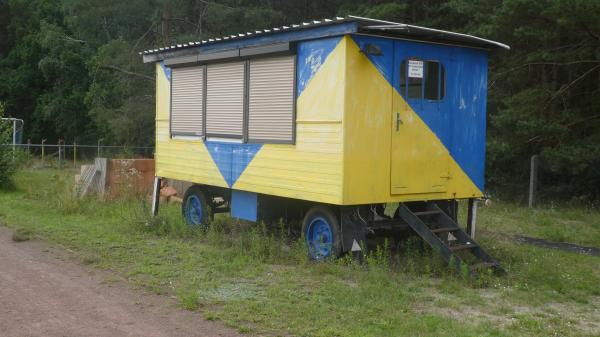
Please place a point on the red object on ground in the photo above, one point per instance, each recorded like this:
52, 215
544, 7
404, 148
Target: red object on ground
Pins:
130, 176
168, 192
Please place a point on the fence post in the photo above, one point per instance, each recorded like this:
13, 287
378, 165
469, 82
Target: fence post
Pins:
74, 154
533, 177
60, 154
99, 140
43, 141
14, 138
14, 135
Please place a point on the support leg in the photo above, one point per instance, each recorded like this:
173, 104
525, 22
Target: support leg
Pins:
156, 196
472, 217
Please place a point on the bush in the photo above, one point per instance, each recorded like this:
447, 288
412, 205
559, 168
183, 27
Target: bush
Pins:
7, 164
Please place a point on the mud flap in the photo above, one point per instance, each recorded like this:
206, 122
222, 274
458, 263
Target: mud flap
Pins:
353, 229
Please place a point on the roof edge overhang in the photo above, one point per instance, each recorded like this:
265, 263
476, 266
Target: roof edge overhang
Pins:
272, 38
427, 34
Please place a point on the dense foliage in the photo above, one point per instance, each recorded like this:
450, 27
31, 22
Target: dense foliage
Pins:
70, 68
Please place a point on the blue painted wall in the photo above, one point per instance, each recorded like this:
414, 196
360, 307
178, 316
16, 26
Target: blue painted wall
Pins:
167, 71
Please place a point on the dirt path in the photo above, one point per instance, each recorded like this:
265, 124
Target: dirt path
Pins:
45, 292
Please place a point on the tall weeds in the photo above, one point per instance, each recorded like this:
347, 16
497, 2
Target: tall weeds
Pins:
262, 243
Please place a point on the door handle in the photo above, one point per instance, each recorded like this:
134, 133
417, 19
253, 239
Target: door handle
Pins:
398, 121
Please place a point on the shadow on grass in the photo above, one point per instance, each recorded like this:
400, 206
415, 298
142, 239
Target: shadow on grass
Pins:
565, 246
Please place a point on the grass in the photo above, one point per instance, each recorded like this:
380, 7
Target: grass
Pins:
578, 225
258, 280
20, 235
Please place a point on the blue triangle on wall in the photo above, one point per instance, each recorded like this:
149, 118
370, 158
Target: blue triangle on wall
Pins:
167, 71
231, 158
311, 56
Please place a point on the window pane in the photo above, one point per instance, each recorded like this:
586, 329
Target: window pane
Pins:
415, 79
403, 78
415, 87
432, 80
443, 81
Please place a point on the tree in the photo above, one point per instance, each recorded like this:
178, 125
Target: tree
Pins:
544, 93
70, 69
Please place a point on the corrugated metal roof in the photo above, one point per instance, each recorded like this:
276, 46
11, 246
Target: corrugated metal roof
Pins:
365, 24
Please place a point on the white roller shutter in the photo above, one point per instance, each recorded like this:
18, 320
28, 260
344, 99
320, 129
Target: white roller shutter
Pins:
271, 99
225, 99
186, 100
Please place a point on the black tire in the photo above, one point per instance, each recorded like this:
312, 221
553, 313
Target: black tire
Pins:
321, 230
195, 209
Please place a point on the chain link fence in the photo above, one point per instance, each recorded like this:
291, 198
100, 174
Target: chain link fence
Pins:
74, 155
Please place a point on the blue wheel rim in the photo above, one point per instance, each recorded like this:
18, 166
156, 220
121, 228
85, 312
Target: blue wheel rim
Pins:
319, 238
193, 210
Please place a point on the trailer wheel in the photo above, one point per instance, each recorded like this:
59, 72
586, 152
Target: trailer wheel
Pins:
195, 208
322, 233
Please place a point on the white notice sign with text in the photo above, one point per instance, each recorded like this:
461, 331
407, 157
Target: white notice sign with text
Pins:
415, 69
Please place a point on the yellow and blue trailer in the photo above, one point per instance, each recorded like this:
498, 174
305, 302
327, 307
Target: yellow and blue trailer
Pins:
328, 123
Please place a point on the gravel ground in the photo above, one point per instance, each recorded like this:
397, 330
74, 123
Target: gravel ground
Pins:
46, 291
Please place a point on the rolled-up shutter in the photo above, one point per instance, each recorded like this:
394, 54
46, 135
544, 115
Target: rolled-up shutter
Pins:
271, 99
186, 100
225, 99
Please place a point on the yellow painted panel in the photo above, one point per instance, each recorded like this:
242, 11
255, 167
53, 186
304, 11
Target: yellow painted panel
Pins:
163, 89
312, 168
309, 170
186, 160
419, 163
368, 123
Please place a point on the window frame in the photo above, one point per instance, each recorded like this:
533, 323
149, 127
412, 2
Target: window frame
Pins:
441, 78
294, 102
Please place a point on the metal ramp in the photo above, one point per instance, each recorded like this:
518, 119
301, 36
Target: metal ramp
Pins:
433, 225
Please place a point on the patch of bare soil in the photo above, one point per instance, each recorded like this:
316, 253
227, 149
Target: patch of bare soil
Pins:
44, 291
503, 313
569, 247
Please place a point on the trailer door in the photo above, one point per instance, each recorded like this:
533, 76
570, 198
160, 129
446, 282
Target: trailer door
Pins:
419, 161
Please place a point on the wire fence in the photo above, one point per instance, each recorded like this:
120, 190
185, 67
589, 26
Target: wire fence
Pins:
73, 155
